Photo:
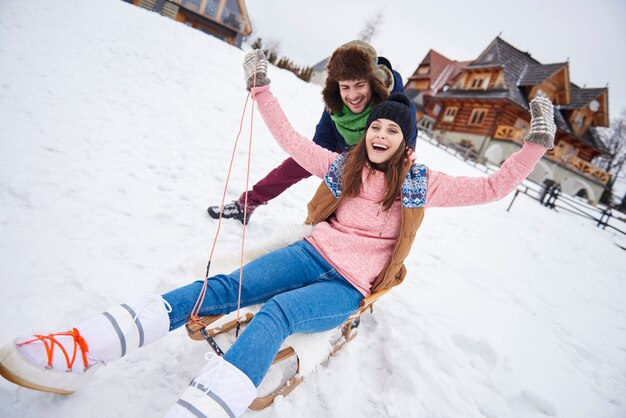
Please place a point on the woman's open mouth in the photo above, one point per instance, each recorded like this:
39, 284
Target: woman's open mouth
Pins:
379, 147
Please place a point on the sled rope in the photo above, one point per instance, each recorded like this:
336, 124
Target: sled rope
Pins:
193, 317
245, 210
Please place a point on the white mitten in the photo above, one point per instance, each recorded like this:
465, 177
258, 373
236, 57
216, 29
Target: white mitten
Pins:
255, 69
542, 127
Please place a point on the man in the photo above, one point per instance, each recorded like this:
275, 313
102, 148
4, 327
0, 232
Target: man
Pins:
357, 81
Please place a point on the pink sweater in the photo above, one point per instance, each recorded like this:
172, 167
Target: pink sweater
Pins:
359, 239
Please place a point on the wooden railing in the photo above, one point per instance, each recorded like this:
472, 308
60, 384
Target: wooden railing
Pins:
567, 157
591, 170
562, 155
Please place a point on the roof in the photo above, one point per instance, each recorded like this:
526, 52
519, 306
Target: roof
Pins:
449, 73
536, 73
580, 97
442, 69
321, 66
220, 19
483, 66
513, 61
520, 70
473, 94
437, 63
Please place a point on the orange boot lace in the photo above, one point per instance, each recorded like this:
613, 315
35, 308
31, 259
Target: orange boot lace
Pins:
49, 341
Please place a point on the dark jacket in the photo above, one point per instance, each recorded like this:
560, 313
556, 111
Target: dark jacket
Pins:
327, 135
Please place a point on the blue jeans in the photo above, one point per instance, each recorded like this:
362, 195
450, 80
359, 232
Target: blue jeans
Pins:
302, 294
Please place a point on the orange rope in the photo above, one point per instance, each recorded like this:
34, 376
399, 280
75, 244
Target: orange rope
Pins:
193, 317
196, 309
245, 210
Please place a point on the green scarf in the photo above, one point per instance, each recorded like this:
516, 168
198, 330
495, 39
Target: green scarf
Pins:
351, 126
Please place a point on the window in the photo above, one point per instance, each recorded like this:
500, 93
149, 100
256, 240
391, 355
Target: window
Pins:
424, 69
522, 125
211, 8
476, 83
231, 15
437, 109
450, 113
192, 4
480, 81
477, 117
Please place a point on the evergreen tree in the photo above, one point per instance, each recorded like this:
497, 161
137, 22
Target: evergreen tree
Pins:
257, 44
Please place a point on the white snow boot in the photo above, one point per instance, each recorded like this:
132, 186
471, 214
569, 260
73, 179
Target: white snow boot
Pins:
221, 390
62, 362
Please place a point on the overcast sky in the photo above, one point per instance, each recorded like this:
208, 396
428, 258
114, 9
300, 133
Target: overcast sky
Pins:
591, 34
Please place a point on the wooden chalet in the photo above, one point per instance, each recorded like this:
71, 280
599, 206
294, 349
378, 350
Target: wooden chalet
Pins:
225, 19
431, 76
485, 112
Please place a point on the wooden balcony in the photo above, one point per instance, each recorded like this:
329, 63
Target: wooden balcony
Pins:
561, 154
564, 156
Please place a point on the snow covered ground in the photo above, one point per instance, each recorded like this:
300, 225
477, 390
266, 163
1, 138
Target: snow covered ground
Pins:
116, 126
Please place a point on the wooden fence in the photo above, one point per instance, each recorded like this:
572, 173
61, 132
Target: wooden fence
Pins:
548, 195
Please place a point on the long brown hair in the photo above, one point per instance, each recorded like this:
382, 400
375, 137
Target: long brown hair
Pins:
357, 158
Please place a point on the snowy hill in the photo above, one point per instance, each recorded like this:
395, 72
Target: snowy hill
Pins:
116, 127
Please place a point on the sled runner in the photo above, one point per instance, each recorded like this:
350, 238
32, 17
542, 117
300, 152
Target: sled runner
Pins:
201, 331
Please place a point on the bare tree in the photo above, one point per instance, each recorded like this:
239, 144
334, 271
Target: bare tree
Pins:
613, 140
371, 26
272, 46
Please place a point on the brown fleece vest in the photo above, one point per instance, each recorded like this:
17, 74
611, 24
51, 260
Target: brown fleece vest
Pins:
322, 206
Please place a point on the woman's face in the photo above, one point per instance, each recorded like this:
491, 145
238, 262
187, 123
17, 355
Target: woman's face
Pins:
356, 94
382, 140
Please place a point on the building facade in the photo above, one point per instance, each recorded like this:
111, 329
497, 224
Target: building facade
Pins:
432, 76
484, 110
225, 19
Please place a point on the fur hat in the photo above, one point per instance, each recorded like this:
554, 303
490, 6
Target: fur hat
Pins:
396, 108
356, 60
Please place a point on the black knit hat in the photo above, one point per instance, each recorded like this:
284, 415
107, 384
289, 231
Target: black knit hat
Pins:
396, 108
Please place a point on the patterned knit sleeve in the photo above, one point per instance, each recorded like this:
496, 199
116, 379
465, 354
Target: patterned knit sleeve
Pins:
312, 157
447, 191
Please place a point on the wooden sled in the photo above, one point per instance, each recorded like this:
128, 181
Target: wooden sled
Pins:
201, 331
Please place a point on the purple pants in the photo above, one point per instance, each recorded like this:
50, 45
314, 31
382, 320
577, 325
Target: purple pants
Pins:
277, 181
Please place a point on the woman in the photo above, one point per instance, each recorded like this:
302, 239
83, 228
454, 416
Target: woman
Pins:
366, 214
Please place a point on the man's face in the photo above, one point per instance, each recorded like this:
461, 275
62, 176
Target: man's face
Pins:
356, 94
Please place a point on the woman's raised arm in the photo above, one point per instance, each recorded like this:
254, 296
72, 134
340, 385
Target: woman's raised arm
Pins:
446, 191
315, 159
